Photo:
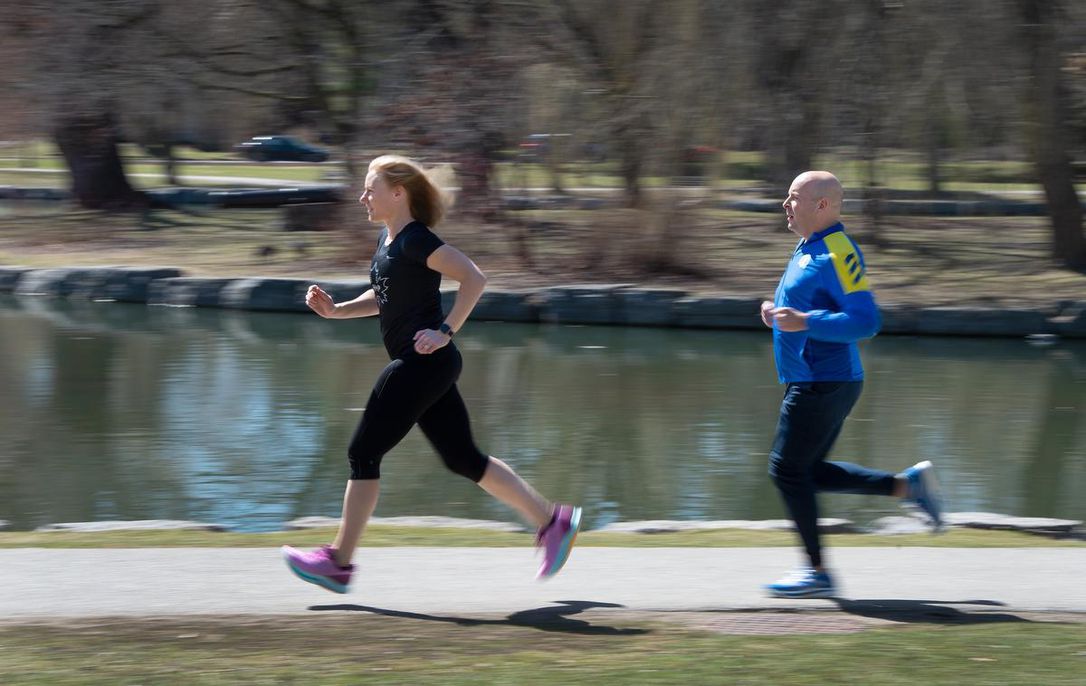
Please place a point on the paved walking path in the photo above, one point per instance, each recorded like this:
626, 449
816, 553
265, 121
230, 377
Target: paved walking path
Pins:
153, 582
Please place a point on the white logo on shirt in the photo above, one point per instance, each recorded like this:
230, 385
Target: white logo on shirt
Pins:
804, 261
381, 289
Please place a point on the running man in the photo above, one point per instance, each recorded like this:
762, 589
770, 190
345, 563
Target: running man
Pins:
822, 307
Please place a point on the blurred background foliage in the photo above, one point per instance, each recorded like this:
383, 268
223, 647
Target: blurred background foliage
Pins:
907, 98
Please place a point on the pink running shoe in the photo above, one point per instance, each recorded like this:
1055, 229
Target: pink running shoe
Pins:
556, 539
319, 567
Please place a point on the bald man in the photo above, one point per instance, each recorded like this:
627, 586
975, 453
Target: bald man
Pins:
822, 307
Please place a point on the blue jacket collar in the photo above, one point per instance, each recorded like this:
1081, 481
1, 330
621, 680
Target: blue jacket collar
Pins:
819, 235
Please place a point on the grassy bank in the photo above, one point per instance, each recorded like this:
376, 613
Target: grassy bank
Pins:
381, 535
997, 261
544, 647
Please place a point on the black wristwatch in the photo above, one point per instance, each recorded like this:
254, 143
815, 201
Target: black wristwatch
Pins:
445, 329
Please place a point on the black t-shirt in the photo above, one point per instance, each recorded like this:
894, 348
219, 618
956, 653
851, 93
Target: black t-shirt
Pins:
408, 292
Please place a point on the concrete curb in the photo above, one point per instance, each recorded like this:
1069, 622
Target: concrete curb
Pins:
425, 521
893, 525
134, 525
826, 525
598, 304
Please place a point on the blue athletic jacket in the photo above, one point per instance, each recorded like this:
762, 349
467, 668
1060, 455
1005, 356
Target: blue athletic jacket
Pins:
826, 278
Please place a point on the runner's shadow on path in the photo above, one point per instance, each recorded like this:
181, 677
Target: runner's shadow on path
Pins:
925, 611
550, 618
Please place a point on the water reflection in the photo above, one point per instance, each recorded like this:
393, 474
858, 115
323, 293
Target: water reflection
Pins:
133, 412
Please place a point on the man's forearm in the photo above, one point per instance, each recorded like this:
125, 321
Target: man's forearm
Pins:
844, 327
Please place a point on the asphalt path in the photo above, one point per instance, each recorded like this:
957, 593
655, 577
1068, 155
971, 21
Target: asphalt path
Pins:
158, 582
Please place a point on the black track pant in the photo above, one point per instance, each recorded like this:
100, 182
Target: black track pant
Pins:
812, 415
417, 389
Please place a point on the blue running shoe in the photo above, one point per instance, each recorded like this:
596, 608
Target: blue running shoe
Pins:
924, 493
803, 583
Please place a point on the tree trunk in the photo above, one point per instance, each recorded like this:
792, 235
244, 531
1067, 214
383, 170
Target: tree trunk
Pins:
475, 174
935, 181
873, 195
938, 117
935, 136
170, 163
1046, 123
630, 162
787, 71
793, 118
477, 199
799, 147
89, 146
631, 176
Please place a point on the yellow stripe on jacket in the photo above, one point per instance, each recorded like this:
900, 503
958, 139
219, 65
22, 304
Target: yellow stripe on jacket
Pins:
846, 261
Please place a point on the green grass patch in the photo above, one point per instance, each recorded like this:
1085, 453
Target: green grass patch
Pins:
50, 179
150, 175
593, 647
287, 172
383, 535
898, 171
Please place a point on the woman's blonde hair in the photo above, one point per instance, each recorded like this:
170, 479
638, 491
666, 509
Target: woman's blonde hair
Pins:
427, 200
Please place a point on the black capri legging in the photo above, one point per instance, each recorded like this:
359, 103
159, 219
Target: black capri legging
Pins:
417, 389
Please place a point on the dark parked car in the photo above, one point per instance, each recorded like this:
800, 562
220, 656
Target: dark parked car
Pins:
280, 149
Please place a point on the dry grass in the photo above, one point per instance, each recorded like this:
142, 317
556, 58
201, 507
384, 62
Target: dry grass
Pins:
384, 535
569, 642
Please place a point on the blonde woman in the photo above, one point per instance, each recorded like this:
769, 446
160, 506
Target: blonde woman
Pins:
419, 384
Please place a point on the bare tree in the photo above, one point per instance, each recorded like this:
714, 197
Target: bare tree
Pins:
329, 41
76, 52
461, 75
1047, 133
99, 74
793, 40
611, 47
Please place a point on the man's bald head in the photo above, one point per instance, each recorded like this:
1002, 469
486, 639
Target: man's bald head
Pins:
814, 202
822, 184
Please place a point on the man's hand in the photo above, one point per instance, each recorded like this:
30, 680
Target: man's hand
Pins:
319, 301
789, 319
767, 313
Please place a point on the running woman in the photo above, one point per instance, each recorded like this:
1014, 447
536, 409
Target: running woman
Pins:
419, 384
822, 307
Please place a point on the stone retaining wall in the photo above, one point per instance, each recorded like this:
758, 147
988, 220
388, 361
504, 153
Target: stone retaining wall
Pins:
607, 304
